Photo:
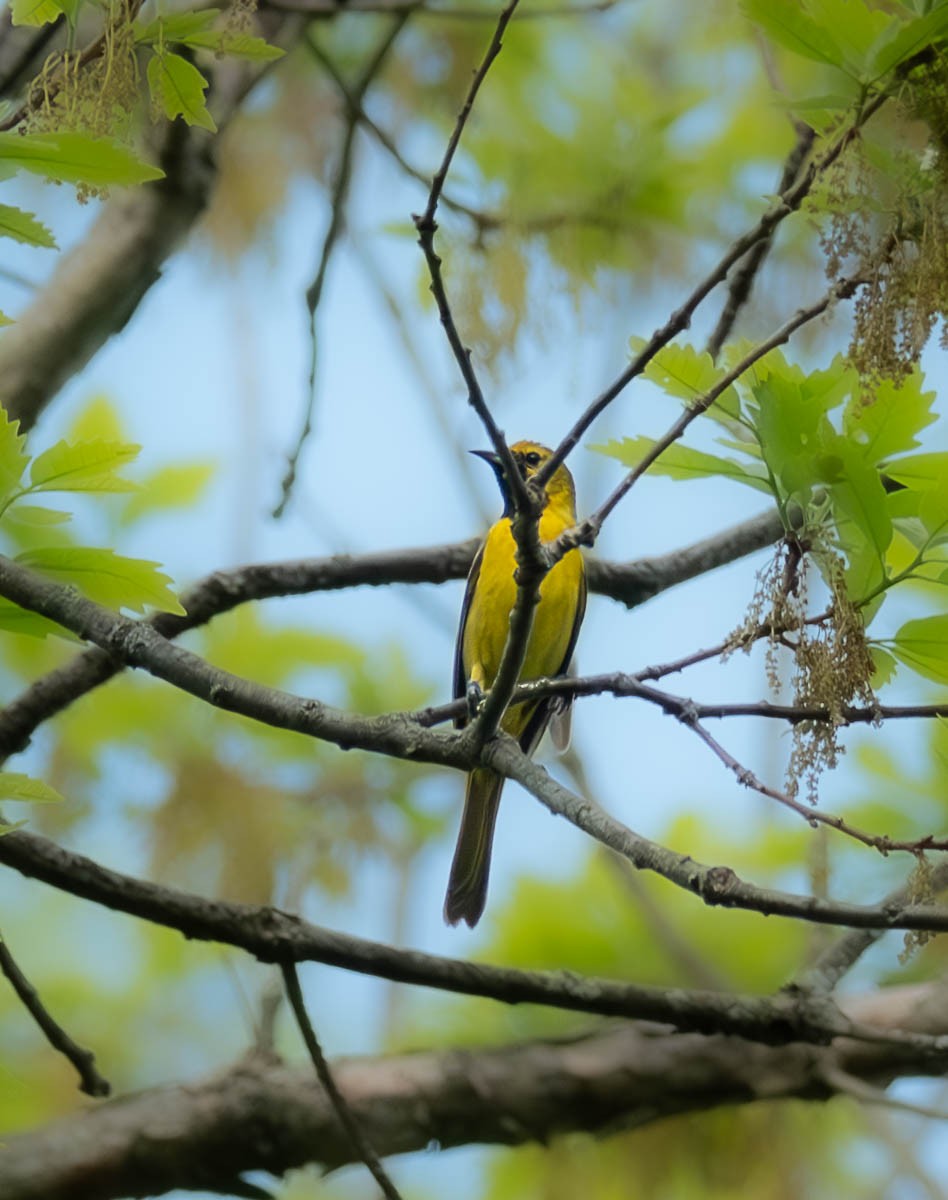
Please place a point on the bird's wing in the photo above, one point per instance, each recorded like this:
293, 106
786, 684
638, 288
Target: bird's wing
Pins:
557, 708
460, 682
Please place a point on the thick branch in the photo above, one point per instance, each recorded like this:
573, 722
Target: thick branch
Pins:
137, 644
271, 935
261, 1115
96, 287
629, 583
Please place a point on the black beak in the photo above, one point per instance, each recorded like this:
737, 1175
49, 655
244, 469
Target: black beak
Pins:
498, 468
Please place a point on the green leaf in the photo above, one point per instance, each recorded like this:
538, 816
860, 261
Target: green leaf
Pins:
35, 516
919, 470
922, 644
788, 426
788, 24
34, 12
688, 374
884, 666
168, 487
97, 421
175, 28
75, 158
106, 577
24, 227
682, 462
83, 467
5, 320
859, 497
13, 457
178, 88
858, 28
933, 512
14, 619
23, 787
901, 42
237, 45
887, 424
829, 102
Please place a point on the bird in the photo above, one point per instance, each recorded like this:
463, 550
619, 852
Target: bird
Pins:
482, 634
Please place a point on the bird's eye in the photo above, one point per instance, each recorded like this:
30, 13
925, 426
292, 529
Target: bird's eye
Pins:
532, 459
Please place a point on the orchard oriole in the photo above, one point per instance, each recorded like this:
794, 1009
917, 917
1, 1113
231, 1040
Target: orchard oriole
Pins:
485, 619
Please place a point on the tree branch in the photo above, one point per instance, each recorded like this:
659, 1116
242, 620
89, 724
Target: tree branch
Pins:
90, 1081
742, 281
339, 196
137, 644
273, 936
787, 203
426, 227
586, 532
96, 287
347, 1119
262, 1115
220, 592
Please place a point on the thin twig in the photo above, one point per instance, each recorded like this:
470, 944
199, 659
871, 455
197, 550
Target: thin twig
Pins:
222, 591
813, 816
785, 204
621, 684
426, 226
338, 198
332, 8
395, 735
841, 955
586, 532
742, 281
360, 1143
90, 1081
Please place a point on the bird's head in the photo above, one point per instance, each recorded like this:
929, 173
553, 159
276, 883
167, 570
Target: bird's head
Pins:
529, 458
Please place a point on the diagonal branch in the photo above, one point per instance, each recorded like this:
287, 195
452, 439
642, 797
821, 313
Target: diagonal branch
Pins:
426, 226
787, 203
742, 281
90, 1081
221, 591
842, 954
397, 735
586, 532
339, 196
350, 1123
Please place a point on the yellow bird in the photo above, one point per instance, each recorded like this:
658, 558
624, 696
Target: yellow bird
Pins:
485, 620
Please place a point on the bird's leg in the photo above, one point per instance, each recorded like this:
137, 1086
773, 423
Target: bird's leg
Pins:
474, 695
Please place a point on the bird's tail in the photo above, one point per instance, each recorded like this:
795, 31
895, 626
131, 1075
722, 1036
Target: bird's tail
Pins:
467, 884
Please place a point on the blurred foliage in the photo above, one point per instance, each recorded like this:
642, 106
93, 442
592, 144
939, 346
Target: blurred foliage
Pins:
606, 163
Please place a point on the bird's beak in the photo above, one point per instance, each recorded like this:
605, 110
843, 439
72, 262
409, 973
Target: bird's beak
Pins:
488, 456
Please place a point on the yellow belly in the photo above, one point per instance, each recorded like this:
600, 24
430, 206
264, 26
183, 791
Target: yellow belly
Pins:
488, 619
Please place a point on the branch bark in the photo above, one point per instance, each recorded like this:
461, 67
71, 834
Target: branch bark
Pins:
629, 583
263, 1115
97, 287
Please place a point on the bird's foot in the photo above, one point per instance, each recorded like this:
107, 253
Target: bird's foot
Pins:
474, 695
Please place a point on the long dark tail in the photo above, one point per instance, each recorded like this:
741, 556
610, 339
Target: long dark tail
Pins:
467, 884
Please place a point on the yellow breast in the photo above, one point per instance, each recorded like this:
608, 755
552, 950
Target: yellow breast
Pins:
488, 619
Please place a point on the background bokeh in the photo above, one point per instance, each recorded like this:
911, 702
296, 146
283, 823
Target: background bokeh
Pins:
666, 112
